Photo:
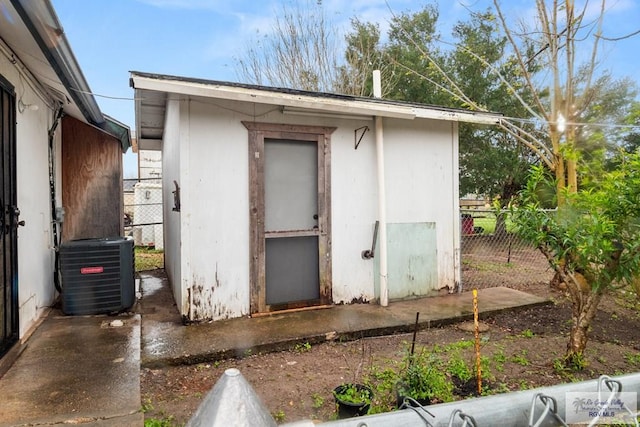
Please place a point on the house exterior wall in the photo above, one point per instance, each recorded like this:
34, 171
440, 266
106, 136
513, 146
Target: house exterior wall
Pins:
35, 242
421, 186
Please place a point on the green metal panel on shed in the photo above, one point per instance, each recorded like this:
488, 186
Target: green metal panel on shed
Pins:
412, 265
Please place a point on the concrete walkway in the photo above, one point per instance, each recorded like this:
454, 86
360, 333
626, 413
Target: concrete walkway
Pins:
76, 370
86, 369
166, 341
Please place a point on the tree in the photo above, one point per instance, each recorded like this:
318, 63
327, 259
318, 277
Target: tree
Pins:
554, 109
592, 241
467, 73
301, 52
362, 56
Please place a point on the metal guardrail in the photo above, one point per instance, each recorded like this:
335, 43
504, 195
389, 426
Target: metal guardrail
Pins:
232, 401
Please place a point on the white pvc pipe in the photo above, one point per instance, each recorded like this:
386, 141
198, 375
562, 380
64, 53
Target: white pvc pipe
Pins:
382, 197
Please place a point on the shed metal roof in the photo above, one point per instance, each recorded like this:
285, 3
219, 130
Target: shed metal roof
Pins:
152, 90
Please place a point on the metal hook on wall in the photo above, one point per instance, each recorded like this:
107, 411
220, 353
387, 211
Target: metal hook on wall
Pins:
357, 140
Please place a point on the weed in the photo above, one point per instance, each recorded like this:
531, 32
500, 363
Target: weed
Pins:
634, 359
248, 352
423, 377
162, 422
318, 400
147, 405
278, 416
459, 345
457, 367
521, 359
302, 347
499, 359
383, 380
527, 333
577, 362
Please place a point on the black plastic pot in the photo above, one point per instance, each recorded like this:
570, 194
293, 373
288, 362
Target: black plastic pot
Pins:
351, 409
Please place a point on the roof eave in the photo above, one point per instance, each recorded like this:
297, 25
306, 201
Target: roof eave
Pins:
351, 106
42, 22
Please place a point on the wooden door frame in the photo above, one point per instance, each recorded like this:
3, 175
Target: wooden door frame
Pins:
321, 135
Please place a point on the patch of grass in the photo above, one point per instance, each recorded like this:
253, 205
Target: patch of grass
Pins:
488, 223
148, 259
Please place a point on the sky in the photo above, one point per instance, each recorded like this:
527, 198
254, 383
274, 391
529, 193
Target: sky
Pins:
204, 38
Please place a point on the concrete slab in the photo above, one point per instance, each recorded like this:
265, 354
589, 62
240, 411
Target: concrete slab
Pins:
76, 370
166, 341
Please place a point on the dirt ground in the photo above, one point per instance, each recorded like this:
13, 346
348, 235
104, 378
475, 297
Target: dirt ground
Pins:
521, 348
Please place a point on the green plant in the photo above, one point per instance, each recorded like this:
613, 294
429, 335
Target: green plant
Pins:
457, 367
485, 365
163, 422
634, 359
278, 416
147, 405
424, 378
459, 345
353, 393
383, 380
524, 385
302, 347
318, 400
527, 333
521, 359
499, 359
577, 362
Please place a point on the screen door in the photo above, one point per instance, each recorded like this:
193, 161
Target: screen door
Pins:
290, 220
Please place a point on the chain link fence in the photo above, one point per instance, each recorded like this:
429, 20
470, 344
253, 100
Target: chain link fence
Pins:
143, 212
493, 256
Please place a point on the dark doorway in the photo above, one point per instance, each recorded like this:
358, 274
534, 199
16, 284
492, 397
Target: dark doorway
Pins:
8, 243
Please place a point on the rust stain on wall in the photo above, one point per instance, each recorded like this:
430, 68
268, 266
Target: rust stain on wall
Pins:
204, 306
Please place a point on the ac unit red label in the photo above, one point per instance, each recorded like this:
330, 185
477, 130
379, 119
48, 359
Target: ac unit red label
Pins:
91, 270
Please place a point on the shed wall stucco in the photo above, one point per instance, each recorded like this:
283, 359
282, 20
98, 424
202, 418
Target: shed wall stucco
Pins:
206, 147
171, 162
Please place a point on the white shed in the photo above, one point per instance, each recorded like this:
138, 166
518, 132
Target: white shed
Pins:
272, 195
